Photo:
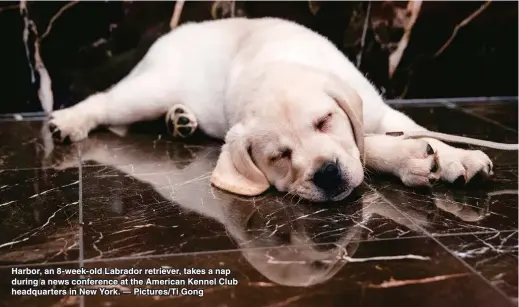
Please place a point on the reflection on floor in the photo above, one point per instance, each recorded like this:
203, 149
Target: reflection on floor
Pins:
144, 201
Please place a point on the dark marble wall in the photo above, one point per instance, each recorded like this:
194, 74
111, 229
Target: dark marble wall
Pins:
55, 53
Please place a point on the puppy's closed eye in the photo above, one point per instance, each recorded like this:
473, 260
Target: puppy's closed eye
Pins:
284, 153
323, 123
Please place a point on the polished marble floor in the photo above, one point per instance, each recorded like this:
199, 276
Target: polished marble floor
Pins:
144, 201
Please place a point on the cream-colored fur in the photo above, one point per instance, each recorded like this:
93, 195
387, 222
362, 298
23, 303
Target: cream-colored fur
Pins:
263, 85
286, 253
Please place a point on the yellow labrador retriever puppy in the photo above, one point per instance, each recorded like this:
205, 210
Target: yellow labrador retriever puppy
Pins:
291, 108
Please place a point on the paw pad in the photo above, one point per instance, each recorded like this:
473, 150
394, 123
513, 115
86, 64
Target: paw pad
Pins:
181, 122
430, 150
56, 135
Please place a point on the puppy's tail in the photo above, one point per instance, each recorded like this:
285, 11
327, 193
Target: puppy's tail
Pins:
453, 139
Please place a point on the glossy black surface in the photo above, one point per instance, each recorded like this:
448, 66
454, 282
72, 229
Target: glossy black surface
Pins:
432, 49
145, 201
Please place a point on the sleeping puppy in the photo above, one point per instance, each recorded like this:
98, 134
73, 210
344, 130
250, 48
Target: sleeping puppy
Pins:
291, 108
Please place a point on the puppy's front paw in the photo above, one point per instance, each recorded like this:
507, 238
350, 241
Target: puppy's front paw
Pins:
417, 163
461, 166
68, 126
180, 121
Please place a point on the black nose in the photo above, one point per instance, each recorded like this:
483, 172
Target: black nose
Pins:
328, 177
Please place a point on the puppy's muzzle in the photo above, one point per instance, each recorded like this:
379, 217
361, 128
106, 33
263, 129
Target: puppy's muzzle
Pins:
330, 179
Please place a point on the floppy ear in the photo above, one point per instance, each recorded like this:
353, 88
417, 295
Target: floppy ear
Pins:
351, 104
235, 171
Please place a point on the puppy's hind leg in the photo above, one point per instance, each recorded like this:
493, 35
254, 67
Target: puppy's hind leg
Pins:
181, 121
145, 96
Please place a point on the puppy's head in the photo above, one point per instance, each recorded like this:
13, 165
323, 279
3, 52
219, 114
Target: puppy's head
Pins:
307, 141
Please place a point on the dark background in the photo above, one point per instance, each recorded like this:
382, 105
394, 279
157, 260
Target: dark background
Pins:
455, 49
